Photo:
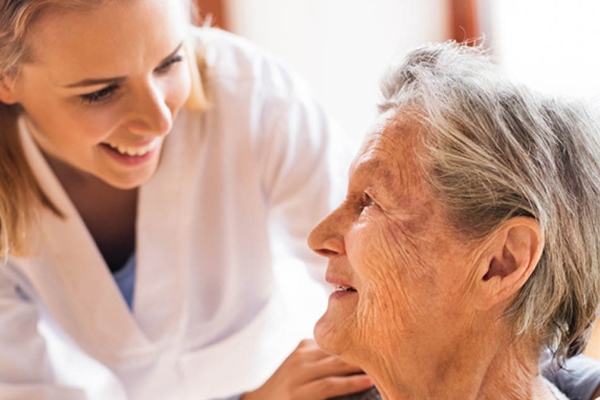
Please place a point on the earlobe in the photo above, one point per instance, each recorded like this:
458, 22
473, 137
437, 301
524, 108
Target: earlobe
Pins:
516, 249
7, 93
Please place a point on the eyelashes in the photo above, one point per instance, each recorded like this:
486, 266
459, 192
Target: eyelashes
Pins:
99, 95
169, 63
366, 202
105, 94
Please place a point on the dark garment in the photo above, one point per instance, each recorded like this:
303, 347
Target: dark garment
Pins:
371, 394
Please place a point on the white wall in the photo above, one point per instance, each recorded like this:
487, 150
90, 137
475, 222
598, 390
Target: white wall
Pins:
550, 45
341, 46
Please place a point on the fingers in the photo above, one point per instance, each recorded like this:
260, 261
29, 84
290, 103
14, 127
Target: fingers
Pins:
332, 366
317, 364
311, 374
326, 375
334, 386
308, 351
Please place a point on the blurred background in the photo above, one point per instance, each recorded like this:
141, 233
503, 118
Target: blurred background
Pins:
341, 47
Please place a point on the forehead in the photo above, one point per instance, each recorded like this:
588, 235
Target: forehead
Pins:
102, 35
392, 167
393, 151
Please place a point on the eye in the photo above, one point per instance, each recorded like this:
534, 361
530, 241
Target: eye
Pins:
99, 96
366, 201
166, 66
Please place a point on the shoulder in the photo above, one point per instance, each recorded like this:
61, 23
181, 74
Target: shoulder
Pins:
228, 58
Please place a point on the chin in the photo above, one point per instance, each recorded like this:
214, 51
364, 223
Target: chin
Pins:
125, 186
329, 336
129, 180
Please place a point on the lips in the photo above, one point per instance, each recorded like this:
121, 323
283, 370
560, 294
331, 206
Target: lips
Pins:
340, 283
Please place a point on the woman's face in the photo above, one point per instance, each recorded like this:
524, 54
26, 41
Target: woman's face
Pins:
401, 273
104, 86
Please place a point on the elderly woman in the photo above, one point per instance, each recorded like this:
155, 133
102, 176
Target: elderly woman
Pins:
468, 241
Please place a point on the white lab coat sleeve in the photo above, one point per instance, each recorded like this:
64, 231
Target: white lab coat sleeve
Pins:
25, 370
304, 163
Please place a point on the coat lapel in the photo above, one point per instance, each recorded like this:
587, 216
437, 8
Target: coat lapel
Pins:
71, 277
163, 236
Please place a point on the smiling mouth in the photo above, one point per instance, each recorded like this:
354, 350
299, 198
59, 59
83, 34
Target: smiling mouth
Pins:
340, 288
133, 151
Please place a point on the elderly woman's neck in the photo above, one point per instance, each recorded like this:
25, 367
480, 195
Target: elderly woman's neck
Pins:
488, 368
514, 373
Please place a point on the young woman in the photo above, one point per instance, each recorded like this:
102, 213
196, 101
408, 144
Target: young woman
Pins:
145, 167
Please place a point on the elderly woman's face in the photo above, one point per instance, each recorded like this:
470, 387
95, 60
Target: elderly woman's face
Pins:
401, 273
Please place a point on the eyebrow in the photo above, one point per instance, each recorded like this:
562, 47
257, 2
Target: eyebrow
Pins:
117, 79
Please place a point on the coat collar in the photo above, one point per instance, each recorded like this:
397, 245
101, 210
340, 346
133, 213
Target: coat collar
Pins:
83, 297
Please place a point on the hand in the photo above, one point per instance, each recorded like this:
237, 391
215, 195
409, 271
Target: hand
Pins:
311, 374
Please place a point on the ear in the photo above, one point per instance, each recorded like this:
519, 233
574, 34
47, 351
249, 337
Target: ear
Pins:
514, 252
7, 91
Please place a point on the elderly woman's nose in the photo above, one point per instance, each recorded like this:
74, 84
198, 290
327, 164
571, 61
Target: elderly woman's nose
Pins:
326, 239
151, 113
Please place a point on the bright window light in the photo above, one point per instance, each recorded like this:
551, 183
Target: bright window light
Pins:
551, 45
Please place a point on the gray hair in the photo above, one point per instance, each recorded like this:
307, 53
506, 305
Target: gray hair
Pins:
496, 150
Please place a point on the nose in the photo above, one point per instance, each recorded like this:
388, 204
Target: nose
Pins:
327, 238
151, 115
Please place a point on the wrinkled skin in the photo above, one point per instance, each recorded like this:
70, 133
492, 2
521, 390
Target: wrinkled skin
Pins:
424, 315
390, 241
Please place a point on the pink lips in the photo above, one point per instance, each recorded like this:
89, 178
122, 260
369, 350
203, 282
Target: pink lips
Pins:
340, 286
336, 281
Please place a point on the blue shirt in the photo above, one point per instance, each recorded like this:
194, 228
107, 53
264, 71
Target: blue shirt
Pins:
125, 280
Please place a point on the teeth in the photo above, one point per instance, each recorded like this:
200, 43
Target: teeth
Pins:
135, 151
339, 288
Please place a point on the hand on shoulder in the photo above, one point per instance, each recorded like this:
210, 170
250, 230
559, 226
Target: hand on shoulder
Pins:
311, 374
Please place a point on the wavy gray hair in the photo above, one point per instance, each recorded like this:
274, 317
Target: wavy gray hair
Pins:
497, 150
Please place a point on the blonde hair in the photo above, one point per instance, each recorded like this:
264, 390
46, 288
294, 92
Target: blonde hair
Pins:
19, 190
20, 193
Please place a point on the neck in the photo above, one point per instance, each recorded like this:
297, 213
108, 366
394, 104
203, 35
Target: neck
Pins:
488, 365
108, 213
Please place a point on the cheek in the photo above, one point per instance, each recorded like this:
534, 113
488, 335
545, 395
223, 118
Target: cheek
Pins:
385, 281
64, 122
403, 280
438, 273
72, 125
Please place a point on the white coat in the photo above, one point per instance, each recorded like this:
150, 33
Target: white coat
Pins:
260, 162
